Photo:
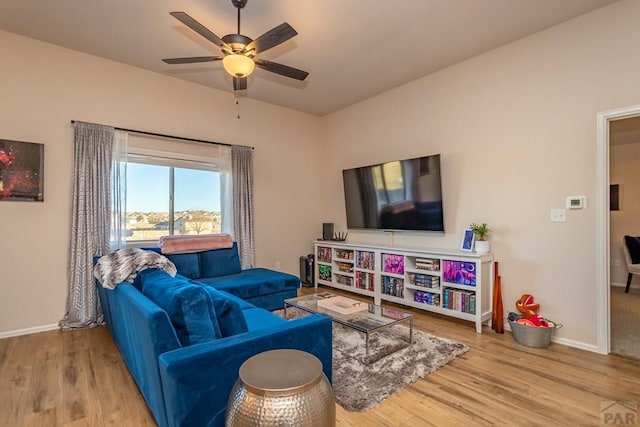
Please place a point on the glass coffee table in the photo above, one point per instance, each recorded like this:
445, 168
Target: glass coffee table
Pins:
371, 319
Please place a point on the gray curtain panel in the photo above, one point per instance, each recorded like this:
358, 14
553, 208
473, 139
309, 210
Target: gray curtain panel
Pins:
91, 214
242, 172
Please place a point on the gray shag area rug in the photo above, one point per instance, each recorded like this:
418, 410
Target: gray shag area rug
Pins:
359, 384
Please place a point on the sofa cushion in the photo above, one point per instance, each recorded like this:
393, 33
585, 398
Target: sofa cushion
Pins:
187, 305
187, 265
633, 245
253, 281
137, 282
219, 262
228, 312
259, 318
242, 303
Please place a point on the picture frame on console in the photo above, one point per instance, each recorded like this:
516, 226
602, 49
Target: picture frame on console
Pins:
468, 240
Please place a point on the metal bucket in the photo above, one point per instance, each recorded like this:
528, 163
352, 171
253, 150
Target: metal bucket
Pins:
532, 336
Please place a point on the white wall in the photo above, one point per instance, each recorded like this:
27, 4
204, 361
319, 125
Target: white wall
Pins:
516, 128
625, 171
43, 87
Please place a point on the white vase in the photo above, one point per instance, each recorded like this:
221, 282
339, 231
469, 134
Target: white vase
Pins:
482, 246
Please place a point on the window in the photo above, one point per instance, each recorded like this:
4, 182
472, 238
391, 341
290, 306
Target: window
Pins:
170, 193
389, 183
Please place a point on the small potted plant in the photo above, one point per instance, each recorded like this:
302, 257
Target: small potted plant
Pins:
482, 244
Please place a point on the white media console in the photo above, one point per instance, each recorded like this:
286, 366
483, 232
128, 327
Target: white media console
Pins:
450, 282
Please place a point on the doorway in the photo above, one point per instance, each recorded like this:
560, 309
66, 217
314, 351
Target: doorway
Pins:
616, 128
624, 219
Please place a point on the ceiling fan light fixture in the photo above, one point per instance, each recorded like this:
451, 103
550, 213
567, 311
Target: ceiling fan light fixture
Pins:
238, 65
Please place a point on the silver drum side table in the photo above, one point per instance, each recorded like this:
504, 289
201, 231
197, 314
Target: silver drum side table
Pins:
281, 388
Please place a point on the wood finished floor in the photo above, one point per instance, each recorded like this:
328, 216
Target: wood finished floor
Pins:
78, 378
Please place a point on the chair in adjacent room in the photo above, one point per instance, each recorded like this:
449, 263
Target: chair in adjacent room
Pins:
631, 249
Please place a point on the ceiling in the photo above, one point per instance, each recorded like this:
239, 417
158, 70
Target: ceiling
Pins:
353, 49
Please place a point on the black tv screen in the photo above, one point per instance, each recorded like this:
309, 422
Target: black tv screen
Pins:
398, 195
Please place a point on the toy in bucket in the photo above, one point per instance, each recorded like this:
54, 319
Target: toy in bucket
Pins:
529, 308
530, 328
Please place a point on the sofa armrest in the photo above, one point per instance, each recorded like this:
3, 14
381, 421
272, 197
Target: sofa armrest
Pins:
142, 331
197, 380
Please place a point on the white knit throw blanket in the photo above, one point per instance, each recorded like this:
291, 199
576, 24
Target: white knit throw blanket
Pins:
125, 264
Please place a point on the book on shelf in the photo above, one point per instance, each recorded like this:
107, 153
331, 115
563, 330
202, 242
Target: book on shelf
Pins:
393, 286
426, 298
344, 253
424, 280
345, 267
344, 280
459, 300
365, 260
427, 280
428, 261
364, 280
324, 254
428, 264
427, 285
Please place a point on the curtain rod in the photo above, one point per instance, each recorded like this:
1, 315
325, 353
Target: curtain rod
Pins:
162, 135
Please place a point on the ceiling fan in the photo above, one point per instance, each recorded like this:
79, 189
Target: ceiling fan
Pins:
239, 51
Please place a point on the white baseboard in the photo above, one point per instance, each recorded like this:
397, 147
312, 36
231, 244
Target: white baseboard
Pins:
44, 328
565, 341
28, 331
576, 344
624, 285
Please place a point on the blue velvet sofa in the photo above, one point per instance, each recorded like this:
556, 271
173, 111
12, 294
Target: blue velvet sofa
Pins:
184, 338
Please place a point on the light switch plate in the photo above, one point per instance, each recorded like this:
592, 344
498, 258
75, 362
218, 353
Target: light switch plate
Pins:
558, 215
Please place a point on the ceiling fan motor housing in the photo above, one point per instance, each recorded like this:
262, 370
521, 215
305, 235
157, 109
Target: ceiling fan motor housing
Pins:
237, 43
239, 3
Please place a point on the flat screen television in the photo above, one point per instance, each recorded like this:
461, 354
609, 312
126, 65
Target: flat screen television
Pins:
399, 195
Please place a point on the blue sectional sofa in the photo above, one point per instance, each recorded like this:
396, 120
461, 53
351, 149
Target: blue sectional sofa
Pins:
184, 338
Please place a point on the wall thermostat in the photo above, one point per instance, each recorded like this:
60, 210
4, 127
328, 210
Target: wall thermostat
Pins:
576, 202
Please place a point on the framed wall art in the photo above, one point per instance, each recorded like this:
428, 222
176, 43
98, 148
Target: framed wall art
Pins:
21, 171
614, 197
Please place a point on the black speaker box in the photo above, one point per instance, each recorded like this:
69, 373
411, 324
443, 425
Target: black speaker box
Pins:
307, 270
327, 231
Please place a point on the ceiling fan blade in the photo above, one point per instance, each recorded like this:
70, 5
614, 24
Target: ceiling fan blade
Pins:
239, 83
271, 38
192, 59
284, 70
200, 29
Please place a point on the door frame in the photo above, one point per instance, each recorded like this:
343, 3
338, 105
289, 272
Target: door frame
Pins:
603, 267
